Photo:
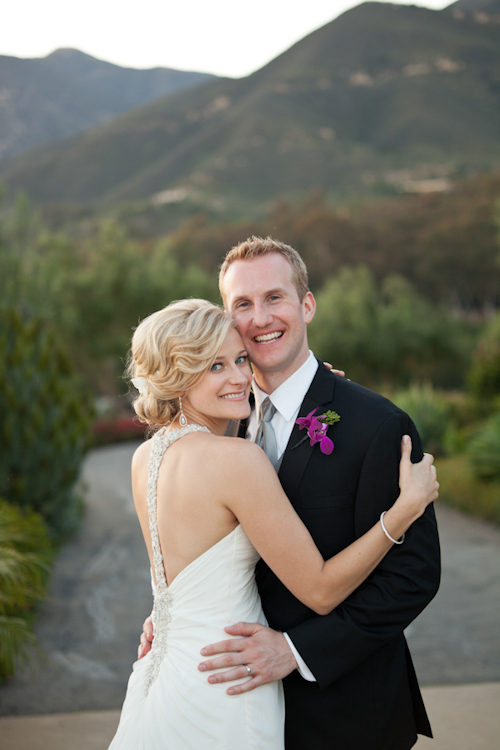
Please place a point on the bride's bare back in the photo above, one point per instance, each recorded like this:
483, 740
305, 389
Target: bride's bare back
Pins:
191, 513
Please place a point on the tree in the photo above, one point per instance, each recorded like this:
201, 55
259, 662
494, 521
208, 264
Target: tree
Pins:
386, 334
45, 415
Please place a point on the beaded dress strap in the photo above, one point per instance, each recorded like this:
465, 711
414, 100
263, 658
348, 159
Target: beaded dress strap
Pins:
161, 441
162, 605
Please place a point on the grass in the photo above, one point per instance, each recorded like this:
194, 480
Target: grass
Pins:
460, 489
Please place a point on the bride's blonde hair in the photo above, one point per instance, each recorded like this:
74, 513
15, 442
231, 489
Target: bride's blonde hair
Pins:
172, 350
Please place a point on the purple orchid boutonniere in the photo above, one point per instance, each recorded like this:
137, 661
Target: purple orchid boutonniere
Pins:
316, 428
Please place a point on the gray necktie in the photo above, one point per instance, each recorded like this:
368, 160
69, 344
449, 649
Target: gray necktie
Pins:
265, 433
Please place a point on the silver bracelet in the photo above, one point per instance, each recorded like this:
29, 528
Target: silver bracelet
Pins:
394, 541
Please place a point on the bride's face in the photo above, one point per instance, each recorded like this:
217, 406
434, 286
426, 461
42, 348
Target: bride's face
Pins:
223, 392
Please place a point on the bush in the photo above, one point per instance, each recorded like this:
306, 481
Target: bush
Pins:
25, 554
460, 488
484, 451
45, 415
430, 410
484, 376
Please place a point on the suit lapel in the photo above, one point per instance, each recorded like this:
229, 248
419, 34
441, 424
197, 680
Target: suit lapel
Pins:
299, 450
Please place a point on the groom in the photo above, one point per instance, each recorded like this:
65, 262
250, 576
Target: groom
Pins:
348, 676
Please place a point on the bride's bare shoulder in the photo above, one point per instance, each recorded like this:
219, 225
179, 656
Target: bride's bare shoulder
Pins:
141, 455
235, 453
221, 454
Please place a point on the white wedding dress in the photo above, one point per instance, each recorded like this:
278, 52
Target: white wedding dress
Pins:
169, 704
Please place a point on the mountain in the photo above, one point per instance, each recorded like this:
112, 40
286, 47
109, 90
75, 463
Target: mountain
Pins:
68, 92
383, 96
490, 7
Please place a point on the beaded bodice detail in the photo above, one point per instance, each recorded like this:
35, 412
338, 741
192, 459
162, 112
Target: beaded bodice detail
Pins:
163, 600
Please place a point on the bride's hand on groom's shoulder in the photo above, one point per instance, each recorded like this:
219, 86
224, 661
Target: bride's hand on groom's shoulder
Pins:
333, 370
146, 638
260, 653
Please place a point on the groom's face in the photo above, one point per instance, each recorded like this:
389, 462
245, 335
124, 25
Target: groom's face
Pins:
271, 318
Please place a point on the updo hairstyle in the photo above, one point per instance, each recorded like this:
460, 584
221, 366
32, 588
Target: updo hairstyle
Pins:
173, 349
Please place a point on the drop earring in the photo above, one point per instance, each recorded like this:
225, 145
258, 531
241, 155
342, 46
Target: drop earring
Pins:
182, 417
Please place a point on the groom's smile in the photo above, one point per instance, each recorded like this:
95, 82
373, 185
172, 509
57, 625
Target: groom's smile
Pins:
268, 338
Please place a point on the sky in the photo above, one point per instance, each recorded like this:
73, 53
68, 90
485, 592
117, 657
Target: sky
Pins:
225, 37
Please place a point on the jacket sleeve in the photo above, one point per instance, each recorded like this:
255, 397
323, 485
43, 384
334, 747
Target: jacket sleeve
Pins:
399, 588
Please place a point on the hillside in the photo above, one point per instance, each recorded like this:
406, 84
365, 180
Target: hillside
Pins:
490, 7
68, 91
383, 96
445, 243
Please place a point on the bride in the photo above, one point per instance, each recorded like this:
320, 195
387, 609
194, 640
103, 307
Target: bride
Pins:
209, 506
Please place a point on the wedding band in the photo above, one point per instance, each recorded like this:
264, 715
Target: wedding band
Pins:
248, 668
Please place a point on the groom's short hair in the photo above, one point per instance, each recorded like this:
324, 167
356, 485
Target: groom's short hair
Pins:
254, 247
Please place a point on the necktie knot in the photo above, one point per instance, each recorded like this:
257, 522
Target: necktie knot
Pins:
267, 410
265, 433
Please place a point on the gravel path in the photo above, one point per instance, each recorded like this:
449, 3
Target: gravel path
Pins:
100, 596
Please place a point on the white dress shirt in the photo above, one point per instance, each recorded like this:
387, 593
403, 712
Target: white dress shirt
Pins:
287, 399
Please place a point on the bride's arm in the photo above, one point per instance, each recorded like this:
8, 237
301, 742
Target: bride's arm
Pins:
255, 496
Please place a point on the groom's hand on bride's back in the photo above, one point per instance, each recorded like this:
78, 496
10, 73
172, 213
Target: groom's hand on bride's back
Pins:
146, 637
265, 651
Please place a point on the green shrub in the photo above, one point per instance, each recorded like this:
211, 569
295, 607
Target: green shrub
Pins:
430, 410
25, 554
461, 423
484, 450
460, 488
45, 416
484, 376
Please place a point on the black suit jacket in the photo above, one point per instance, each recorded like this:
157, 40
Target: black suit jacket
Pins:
366, 696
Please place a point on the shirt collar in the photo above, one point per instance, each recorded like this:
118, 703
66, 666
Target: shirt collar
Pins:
288, 397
